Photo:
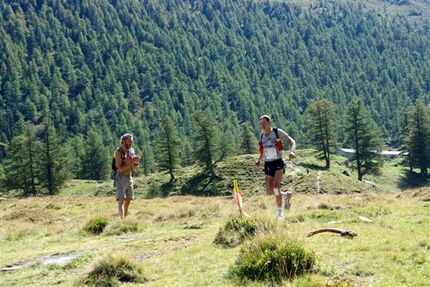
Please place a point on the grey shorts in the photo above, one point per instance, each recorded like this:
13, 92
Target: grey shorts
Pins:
124, 186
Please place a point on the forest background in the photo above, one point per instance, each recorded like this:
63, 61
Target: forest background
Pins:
76, 75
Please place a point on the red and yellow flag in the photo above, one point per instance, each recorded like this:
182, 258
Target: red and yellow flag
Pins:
237, 195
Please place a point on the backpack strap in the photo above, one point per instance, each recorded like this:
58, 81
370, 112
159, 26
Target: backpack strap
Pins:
114, 168
276, 132
122, 154
260, 143
261, 139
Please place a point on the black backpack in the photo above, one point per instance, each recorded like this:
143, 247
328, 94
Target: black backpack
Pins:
113, 166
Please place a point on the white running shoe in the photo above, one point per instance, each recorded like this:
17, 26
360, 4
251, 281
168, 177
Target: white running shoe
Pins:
280, 215
287, 197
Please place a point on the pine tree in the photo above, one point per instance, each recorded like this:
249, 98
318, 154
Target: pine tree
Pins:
54, 162
96, 160
321, 128
249, 143
168, 147
75, 148
21, 162
418, 137
363, 135
186, 153
209, 151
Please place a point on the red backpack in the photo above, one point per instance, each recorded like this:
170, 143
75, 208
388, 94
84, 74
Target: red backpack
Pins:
279, 144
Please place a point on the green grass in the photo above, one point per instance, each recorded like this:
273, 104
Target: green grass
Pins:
170, 240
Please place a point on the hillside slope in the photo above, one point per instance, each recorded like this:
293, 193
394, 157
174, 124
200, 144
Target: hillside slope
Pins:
305, 175
116, 66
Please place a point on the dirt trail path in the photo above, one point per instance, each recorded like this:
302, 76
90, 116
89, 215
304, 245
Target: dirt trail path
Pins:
318, 181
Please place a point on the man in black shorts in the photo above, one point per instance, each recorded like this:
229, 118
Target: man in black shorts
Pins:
271, 152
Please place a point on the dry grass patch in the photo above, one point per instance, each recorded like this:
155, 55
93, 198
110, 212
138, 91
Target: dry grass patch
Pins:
172, 238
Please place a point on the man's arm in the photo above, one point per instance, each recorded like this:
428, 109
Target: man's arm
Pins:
136, 159
292, 143
260, 158
121, 167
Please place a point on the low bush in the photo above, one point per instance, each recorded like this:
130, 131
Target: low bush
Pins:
96, 225
122, 227
237, 229
113, 271
272, 260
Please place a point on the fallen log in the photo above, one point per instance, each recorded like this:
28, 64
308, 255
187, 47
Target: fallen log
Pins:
334, 230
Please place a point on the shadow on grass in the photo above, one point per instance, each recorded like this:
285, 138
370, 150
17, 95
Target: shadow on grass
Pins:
202, 185
312, 166
411, 179
166, 188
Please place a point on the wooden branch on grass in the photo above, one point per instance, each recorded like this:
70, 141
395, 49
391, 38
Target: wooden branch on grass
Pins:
334, 230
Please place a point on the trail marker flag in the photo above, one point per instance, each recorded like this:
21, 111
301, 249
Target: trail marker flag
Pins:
237, 195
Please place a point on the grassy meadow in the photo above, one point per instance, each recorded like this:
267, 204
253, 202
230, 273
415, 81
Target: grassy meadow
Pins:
170, 239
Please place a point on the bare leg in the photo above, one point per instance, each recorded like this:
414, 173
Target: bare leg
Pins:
120, 207
126, 205
269, 185
277, 185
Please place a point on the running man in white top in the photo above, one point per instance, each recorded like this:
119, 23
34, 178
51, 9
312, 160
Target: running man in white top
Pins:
271, 152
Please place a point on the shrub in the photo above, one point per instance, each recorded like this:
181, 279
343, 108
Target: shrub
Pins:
96, 225
122, 227
237, 229
112, 271
272, 259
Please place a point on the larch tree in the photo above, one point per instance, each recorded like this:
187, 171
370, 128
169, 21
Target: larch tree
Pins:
54, 161
321, 127
249, 144
418, 137
209, 151
96, 159
363, 135
168, 147
21, 162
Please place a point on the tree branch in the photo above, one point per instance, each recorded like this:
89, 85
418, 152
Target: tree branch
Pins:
334, 230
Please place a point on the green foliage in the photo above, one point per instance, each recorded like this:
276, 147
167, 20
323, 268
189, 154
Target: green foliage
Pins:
117, 66
249, 144
96, 225
113, 271
210, 148
124, 72
168, 147
321, 127
2, 175
273, 259
75, 148
236, 230
96, 161
54, 163
418, 137
363, 135
36, 162
19, 167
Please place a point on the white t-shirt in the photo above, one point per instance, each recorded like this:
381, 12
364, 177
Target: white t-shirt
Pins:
270, 151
